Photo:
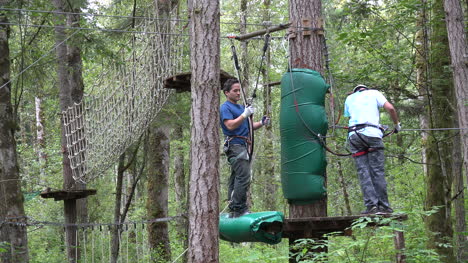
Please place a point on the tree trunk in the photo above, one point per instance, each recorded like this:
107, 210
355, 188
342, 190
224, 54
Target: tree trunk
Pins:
75, 80
461, 244
11, 197
180, 187
157, 202
439, 144
71, 90
344, 186
306, 47
40, 137
204, 169
115, 238
458, 44
306, 51
422, 69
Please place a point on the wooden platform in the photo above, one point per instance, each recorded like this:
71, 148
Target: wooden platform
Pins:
68, 194
317, 226
181, 82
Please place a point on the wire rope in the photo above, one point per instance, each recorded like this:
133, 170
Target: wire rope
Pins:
35, 62
121, 16
180, 255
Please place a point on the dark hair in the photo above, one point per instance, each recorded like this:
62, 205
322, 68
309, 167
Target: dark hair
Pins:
228, 84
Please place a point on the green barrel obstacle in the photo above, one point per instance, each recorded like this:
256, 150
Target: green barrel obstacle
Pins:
302, 118
255, 227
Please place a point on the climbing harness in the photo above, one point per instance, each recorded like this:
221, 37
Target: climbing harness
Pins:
367, 148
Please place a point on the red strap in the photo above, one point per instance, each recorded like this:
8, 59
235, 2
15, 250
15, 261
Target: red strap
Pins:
360, 153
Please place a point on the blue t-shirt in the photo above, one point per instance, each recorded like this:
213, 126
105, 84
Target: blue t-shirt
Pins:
363, 108
230, 111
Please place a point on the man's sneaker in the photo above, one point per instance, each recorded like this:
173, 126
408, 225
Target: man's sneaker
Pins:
370, 211
384, 210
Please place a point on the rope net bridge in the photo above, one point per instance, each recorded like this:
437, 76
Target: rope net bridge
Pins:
126, 98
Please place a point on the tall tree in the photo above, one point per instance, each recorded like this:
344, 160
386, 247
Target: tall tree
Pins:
180, 185
11, 197
69, 71
204, 172
40, 135
439, 144
158, 185
158, 156
306, 51
458, 44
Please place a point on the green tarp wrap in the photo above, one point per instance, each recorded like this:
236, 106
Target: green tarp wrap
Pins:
303, 116
252, 227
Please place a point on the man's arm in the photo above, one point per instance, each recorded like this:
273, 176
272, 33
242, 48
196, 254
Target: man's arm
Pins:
391, 110
234, 124
257, 125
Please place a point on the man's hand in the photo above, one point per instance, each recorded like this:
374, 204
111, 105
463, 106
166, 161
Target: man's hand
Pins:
266, 120
397, 128
248, 111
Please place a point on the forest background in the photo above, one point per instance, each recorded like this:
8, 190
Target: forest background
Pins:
398, 47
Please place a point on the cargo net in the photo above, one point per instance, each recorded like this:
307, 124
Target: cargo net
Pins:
126, 98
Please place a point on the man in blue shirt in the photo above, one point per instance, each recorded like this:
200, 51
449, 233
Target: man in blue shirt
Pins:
365, 141
234, 122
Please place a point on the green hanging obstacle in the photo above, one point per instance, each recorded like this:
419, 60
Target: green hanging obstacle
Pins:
302, 120
255, 227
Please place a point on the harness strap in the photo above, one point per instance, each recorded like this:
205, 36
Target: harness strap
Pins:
363, 152
362, 126
230, 138
360, 153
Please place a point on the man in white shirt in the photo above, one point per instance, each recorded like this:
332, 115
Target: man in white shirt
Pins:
365, 141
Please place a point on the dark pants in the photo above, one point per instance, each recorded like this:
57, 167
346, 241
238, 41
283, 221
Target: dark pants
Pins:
239, 181
370, 168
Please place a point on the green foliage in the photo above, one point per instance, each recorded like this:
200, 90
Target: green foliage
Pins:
252, 252
4, 246
367, 244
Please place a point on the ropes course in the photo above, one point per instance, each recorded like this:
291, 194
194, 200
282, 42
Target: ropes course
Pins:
125, 99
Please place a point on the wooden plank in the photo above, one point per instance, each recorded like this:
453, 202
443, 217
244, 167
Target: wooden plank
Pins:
181, 81
68, 194
314, 227
262, 32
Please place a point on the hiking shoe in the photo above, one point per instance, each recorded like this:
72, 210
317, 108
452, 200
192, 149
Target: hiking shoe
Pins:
384, 210
370, 211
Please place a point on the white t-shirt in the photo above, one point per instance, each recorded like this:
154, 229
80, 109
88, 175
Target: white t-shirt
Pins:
363, 108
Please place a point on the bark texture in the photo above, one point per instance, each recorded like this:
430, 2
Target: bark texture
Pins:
180, 187
70, 83
116, 230
439, 144
158, 183
40, 135
11, 197
204, 172
306, 51
457, 39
